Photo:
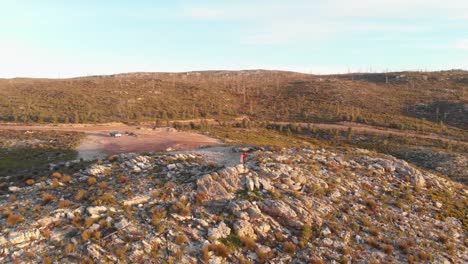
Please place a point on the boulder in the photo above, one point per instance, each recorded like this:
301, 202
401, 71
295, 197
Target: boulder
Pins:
96, 211
243, 228
221, 231
137, 200
100, 255
96, 170
26, 236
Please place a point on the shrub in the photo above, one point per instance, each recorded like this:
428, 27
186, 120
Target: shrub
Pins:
248, 242
262, 255
92, 180
289, 248
86, 235
89, 222
54, 184
103, 185
443, 238
181, 239
371, 204
122, 179
107, 198
373, 231
200, 197
219, 250
63, 203
47, 260
158, 214
279, 236
405, 245
205, 254
155, 194
113, 158
170, 185
13, 219
30, 182
80, 194
424, 256
120, 252
388, 248
371, 241
66, 179
180, 208
97, 235
47, 197
70, 248
306, 235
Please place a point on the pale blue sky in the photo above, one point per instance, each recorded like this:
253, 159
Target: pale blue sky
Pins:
47, 38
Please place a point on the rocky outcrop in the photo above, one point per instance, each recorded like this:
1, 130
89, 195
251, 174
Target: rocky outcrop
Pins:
283, 206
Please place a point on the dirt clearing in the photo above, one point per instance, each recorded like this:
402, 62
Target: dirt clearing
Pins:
98, 143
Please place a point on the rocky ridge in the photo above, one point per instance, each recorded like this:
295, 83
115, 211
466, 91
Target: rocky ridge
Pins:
283, 206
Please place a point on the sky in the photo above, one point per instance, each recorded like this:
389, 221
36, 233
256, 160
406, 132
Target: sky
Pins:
58, 39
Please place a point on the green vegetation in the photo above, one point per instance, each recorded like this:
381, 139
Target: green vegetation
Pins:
25, 153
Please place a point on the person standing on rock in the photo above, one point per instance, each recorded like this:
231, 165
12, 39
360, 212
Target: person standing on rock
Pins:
243, 157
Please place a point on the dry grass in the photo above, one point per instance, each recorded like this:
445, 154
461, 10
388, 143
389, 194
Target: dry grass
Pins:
14, 219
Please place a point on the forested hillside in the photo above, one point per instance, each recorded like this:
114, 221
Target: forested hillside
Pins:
435, 99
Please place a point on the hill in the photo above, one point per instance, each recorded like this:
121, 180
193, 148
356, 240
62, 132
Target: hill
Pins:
423, 101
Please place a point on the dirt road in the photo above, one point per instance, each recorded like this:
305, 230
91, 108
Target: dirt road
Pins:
98, 143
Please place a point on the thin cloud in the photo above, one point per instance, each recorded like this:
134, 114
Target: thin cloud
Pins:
274, 23
462, 44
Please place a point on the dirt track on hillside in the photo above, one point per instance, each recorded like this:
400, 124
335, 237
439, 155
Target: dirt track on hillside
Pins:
98, 143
